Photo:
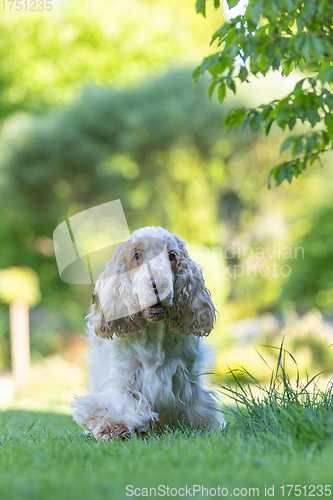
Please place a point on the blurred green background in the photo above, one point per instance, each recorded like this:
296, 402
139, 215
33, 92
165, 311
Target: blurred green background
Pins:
97, 104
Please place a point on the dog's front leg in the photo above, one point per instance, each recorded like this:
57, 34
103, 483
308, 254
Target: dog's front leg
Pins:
203, 410
116, 412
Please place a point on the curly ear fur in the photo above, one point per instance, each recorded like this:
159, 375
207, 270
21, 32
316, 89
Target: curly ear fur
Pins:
193, 311
116, 311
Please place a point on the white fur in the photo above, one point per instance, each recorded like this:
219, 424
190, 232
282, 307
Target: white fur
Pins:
145, 374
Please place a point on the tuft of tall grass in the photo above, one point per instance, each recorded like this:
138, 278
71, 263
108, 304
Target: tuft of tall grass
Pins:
285, 408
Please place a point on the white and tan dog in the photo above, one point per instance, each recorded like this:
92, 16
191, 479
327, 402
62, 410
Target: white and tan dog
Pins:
151, 308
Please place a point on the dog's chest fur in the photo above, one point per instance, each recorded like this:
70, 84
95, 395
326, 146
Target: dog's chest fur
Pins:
157, 363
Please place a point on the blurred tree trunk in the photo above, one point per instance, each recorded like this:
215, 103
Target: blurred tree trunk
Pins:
20, 343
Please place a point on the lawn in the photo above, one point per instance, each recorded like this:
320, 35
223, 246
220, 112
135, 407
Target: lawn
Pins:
285, 438
46, 456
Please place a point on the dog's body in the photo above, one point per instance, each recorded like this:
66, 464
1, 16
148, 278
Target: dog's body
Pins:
146, 366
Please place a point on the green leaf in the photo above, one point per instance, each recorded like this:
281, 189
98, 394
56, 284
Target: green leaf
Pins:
264, 64
235, 117
326, 75
298, 146
211, 88
254, 10
329, 123
287, 143
268, 126
196, 73
242, 75
318, 46
300, 23
221, 91
282, 116
217, 4
245, 123
307, 46
269, 179
255, 122
298, 87
280, 175
292, 122
232, 3
312, 159
201, 7
208, 63
232, 86
288, 67
289, 173
301, 64
313, 116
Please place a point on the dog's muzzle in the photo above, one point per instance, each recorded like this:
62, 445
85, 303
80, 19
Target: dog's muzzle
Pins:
158, 311
154, 313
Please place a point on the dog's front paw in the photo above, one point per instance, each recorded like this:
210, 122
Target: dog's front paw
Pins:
108, 431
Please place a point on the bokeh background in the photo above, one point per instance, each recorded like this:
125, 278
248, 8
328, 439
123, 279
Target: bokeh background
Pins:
97, 104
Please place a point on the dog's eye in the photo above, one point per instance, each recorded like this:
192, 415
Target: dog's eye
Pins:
137, 256
172, 256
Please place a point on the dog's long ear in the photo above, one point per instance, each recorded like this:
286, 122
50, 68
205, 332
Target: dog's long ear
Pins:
116, 311
193, 310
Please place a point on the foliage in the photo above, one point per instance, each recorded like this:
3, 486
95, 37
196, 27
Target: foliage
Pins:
104, 145
281, 35
46, 58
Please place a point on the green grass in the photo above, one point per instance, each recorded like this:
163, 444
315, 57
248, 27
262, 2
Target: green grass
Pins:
285, 408
283, 437
46, 456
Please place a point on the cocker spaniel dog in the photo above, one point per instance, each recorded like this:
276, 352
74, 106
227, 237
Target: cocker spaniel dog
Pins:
150, 309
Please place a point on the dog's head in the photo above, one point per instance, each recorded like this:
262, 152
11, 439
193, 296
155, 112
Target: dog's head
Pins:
151, 278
